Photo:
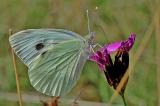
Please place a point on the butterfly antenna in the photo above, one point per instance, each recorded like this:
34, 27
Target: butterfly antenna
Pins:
89, 30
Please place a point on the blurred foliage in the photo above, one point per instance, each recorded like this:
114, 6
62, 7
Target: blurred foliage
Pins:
114, 20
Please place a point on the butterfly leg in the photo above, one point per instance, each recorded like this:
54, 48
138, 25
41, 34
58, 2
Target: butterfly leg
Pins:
92, 47
97, 45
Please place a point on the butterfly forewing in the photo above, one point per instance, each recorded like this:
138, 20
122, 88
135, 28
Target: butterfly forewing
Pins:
28, 44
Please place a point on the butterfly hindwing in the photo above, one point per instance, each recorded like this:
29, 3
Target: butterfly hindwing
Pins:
56, 72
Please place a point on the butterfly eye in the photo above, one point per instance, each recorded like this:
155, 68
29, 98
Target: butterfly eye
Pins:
39, 46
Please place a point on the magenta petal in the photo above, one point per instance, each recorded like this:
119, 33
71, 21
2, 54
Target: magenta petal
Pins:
121, 45
113, 47
99, 59
127, 45
102, 67
94, 57
99, 54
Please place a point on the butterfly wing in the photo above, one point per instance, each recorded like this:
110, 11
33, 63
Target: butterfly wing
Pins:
28, 44
54, 57
56, 72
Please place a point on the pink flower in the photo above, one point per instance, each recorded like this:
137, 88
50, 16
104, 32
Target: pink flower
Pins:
101, 56
114, 71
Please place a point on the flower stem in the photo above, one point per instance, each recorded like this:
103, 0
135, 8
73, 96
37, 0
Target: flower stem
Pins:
124, 101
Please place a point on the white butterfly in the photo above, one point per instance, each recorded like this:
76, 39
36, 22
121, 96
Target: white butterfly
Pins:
54, 57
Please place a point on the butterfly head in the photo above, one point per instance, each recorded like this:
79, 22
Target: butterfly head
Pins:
91, 39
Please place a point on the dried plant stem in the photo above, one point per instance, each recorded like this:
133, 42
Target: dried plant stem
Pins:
16, 75
143, 44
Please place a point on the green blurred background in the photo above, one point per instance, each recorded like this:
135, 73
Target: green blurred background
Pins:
113, 20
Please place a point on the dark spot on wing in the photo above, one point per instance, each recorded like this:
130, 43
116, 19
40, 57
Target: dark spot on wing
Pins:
44, 53
39, 46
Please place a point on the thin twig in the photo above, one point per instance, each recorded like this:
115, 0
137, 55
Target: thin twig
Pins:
78, 96
16, 74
